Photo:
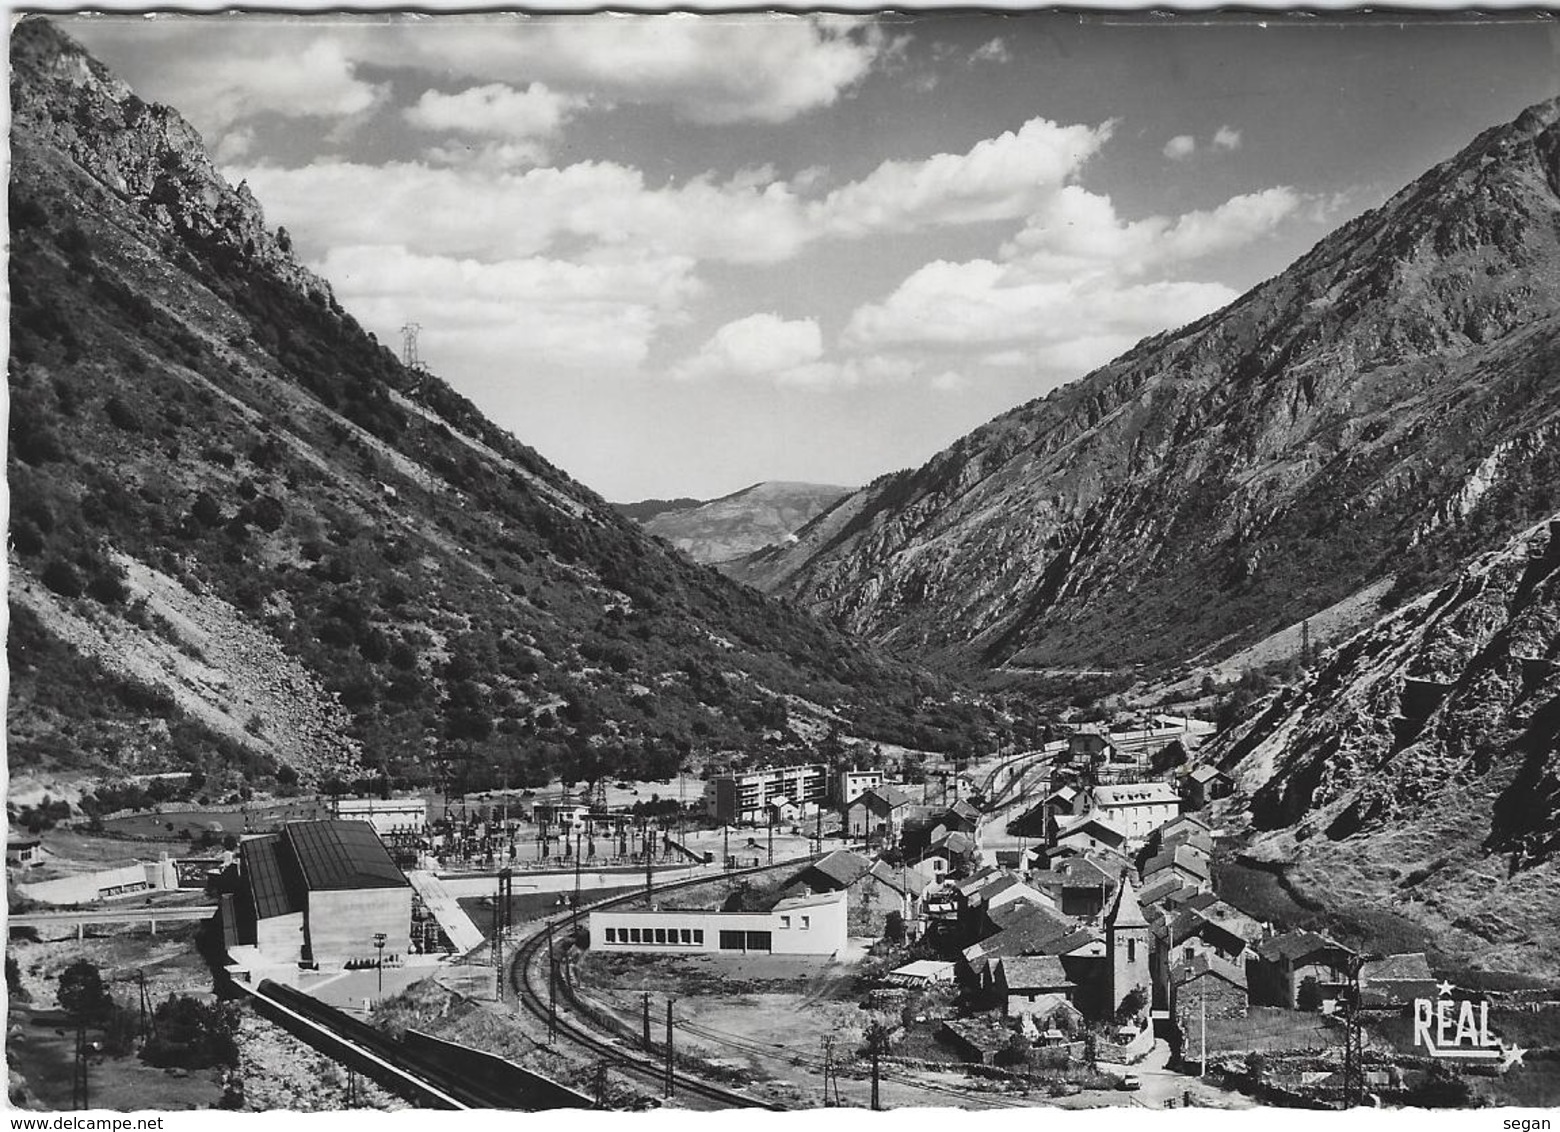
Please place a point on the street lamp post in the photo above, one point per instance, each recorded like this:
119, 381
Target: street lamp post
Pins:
379, 944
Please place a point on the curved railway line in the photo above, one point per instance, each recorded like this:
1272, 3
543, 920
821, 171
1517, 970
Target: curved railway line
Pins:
531, 972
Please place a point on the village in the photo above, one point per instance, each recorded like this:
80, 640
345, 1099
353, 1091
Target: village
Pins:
1045, 926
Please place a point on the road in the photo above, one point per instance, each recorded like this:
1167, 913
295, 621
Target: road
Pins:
108, 915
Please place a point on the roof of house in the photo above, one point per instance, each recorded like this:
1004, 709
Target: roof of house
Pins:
891, 795
1065, 792
1296, 945
964, 810
1125, 911
1183, 971
1136, 794
1393, 968
1187, 858
953, 841
923, 970
272, 874
1195, 836
335, 855
1026, 928
809, 900
981, 1034
1069, 826
840, 868
1034, 971
1183, 821
902, 880
1074, 940
1207, 773
1156, 888
1231, 921
1084, 872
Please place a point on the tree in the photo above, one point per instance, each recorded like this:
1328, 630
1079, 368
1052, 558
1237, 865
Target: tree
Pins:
82, 994
1309, 995
1132, 1004
193, 1034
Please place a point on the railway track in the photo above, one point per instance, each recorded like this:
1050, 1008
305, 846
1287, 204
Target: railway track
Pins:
530, 976
426, 1071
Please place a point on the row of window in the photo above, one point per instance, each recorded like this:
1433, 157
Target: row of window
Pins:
669, 937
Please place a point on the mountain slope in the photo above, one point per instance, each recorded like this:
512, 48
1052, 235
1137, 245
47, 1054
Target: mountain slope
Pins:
1384, 407
744, 521
246, 540
1418, 768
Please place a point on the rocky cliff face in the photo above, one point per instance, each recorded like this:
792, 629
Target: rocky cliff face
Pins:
1418, 767
245, 539
1385, 407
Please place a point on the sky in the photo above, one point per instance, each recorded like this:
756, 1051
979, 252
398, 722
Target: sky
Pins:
682, 254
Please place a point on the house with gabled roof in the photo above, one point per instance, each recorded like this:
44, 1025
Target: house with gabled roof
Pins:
1088, 831
1205, 784
833, 872
1029, 980
878, 812
1281, 964
1183, 859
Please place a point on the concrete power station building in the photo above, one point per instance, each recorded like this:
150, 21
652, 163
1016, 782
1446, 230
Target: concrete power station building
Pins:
316, 895
799, 925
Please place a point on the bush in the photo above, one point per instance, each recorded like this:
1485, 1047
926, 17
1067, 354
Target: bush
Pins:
191, 1034
63, 578
122, 415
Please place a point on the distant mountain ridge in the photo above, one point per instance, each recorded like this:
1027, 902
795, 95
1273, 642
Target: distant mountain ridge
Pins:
246, 540
762, 514
1384, 408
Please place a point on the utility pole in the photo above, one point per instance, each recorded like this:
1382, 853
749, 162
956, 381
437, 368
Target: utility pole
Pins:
576, 872
771, 837
1353, 1064
502, 921
876, 1106
830, 1081
669, 1002
599, 1084
409, 356
552, 988
649, 870
725, 846
647, 1019
1202, 1061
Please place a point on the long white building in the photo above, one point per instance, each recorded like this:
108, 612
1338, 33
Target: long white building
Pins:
800, 925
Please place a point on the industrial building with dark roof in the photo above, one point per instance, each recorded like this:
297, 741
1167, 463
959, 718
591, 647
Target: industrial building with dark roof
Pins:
318, 894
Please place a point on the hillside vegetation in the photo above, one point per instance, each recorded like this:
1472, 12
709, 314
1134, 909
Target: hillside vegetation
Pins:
246, 539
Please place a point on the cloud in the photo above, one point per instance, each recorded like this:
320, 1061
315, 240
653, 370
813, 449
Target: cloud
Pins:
758, 346
1180, 147
1075, 288
992, 51
495, 110
708, 69
555, 314
507, 211
219, 80
1000, 178
1226, 138
983, 304
1079, 231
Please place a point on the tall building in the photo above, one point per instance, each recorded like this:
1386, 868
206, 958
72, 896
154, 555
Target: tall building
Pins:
745, 797
1128, 943
318, 894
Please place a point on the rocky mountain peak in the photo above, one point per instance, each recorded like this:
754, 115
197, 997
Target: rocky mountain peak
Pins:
1338, 424
145, 153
